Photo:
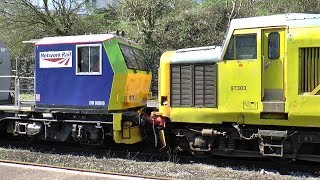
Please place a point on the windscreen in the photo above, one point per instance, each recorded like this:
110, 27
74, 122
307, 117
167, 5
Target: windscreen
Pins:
134, 57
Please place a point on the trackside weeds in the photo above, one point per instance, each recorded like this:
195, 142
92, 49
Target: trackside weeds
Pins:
160, 169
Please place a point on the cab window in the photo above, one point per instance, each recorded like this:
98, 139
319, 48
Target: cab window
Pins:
140, 59
129, 57
133, 57
242, 46
89, 59
273, 45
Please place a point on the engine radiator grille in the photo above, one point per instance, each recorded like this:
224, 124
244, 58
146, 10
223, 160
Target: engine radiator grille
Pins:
194, 85
309, 69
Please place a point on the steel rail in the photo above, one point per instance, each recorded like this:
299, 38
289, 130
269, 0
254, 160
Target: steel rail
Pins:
84, 170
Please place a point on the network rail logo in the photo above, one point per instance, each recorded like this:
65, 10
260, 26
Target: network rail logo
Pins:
55, 59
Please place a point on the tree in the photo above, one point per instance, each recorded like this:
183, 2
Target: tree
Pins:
22, 20
57, 17
145, 14
267, 7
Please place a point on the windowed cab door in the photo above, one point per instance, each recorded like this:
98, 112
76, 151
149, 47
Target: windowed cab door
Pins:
273, 48
240, 75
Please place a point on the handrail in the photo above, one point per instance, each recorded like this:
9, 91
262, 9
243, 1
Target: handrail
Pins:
26, 77
16, 89
8, 76
8, 91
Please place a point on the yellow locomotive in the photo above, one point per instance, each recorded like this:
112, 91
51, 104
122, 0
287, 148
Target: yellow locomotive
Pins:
257, 95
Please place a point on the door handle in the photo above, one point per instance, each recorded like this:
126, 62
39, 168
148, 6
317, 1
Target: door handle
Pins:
266, 65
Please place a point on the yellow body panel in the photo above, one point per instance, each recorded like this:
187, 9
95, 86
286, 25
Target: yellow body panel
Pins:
117, 93
124, 132
117, 118
137, 89
301, 104
129, 135
245, 107
164, 81
130, 90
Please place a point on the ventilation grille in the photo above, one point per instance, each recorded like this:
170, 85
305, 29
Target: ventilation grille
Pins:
193, 85
309, 71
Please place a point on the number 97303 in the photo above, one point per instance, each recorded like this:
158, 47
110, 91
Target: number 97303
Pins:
238, 88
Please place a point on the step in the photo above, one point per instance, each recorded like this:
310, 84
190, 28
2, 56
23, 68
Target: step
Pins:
274, 106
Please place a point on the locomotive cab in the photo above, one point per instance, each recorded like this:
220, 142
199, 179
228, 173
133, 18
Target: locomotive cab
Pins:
259, 93
101, 73
254, 79
99, 80
87, 88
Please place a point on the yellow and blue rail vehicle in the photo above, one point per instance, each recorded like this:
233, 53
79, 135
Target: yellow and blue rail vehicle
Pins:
257, 95
87, 87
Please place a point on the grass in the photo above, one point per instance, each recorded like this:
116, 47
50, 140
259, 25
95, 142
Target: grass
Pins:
26, 97
162, 169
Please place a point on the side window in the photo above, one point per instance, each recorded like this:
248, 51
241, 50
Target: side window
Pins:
89, 59
133, 57
246, 46
230, 50
273, 45
242, 47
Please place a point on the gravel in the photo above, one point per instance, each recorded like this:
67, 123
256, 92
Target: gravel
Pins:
160, 169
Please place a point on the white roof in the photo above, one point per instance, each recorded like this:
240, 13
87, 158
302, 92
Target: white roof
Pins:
280, 20
293, 20
75, 39
197, 55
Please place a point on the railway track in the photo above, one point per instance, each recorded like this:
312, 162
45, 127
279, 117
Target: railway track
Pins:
251, 164
84, 170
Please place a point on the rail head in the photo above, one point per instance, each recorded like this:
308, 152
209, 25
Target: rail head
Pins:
85, 170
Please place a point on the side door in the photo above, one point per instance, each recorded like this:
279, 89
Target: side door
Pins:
273, 47
240, 72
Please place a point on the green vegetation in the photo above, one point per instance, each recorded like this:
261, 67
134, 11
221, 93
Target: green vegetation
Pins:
158, 25
26, 97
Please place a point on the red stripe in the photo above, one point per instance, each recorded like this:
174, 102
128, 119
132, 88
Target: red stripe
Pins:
62, 61
67, 62
54, 59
